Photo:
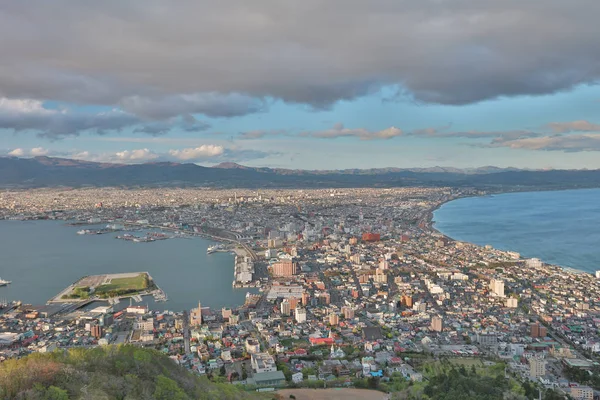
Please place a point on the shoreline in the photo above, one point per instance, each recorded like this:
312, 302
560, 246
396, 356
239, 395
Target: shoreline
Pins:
430, 224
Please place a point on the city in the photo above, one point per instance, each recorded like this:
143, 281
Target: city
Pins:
354, 284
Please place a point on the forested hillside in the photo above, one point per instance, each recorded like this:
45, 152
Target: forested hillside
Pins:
110, 372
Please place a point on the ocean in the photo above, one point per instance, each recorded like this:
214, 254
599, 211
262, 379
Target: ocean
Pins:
43, 257
559, 227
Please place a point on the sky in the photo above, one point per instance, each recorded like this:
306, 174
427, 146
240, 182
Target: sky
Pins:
311, 84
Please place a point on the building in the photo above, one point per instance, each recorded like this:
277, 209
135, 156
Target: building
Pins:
437, 324
226, 313
300, 314
262, 362
334, 319
406, 301
537, 367
267, 379
97, 331
371, 237
285, 307
384, 265
144, 324
582, 393
284, 268
497, 287
348, 312
538, 330
512, 302
196, 315
305, 298
533, 263
252, 346
487, 339
293, 302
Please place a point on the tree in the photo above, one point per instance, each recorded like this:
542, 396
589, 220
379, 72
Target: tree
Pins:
167, 389
54, 393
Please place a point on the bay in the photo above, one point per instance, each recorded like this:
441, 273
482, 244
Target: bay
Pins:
43, 257
560, 227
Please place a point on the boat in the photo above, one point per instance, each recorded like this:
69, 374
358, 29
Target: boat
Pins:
214, 248
81, 232
4, 283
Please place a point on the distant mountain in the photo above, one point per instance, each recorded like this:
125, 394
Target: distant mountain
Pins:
50, 172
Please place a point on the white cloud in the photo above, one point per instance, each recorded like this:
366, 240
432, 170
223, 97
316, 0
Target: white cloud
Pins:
23, 106
39, 151
574, 126
339, 131
139, 155
34, 152
197, 153
17, 152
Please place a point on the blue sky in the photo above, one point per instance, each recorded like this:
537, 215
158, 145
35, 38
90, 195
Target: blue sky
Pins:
470, 85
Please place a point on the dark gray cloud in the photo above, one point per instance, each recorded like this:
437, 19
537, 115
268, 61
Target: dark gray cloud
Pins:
187, 124
160, 59
30, 115
209, 104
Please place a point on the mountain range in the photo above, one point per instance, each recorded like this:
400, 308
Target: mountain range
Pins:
51, 172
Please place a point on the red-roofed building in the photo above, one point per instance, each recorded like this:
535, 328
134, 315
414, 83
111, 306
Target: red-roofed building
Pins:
320, 341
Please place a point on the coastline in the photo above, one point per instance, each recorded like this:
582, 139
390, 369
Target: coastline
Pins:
430, 223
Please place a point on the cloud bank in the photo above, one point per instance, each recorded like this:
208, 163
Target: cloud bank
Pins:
158, 60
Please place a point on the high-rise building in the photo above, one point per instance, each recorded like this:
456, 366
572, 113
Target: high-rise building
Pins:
537, 367
348, 312
305, 298
300, 314
96, 331
512, 302
497, 287
293, 302
226, 312
406, 301
334, 319
437, 324
537, 330
285, 307
284, 268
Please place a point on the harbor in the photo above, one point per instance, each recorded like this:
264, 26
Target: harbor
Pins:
181, 268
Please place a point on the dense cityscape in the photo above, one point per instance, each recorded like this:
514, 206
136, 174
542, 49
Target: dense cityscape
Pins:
355, 285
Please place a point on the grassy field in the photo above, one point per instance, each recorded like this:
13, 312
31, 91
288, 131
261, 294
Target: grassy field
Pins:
137, 283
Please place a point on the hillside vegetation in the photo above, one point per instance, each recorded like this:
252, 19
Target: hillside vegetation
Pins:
109, 372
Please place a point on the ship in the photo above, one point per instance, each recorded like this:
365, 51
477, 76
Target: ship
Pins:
4, 283
213, 249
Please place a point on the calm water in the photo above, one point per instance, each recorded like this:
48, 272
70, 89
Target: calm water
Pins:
43, 257
561, 228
